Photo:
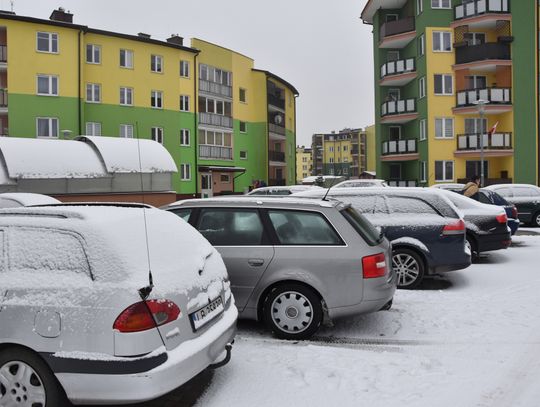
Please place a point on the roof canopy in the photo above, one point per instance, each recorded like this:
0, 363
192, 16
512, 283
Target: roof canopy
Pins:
373, 5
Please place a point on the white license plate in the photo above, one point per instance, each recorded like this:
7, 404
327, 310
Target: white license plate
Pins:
206, 313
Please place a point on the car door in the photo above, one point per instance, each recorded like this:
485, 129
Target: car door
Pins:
238, 235
527, 202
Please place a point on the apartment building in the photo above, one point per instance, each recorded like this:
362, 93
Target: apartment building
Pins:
225, 123
304, 163
455, 81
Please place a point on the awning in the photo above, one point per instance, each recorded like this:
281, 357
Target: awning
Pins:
217, 168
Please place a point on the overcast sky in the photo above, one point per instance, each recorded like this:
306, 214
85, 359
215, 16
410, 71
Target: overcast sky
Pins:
320, 46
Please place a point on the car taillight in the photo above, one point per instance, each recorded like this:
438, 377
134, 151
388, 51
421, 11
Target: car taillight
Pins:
374, 266
514, 212
454, 228
502, 218
136, 317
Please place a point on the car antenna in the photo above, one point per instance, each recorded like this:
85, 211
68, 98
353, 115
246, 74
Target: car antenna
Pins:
144, 292
329, 188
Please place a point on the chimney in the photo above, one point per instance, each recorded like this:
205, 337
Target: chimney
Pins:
175, 39
144, 35
61, 15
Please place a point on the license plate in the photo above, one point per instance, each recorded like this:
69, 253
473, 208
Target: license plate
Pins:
204, 315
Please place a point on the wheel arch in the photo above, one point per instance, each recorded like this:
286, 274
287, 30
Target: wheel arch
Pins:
417, 250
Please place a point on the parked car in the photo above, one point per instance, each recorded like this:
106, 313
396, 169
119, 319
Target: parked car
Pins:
526, 198
291, 261
450, 187
80, 317
489, 197
487, 228
425, 229
281, 190
17, 199
355, 183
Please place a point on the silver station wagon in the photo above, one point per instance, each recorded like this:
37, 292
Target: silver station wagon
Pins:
291, 261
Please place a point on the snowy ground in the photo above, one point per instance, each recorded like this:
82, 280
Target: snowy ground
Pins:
470, 339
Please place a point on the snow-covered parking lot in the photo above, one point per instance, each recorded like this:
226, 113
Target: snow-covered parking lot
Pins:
471, 338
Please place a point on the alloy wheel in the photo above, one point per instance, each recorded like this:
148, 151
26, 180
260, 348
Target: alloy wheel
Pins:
20, 385
292, 312
407, 269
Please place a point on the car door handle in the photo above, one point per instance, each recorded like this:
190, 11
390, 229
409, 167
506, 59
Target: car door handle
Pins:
256, 262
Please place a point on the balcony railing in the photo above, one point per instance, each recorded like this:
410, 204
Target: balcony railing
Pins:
216, 120
496, 96
479, 7
276, 182
215, 152
397, 27
399, 147
215, 88
402, 183
3, 53
488, 181
398, 67
489, 50
276, 101
398, 107
276, 156
274, 128
3, 97
495, 141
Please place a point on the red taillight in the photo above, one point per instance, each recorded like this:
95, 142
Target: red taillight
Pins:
514, 212
454, 228
136, 317
502, 218
374, 266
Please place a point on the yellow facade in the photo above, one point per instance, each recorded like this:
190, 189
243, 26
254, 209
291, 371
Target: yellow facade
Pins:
371, 151
304, 163
337, 151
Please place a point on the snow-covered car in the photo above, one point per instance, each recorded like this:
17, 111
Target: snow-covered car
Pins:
526, 197
281, 190
359, 183
17, 199
456, 187
95, 309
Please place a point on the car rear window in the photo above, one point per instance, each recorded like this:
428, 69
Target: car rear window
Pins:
410, 205
497, 199
231, 227
364, 227
365, 203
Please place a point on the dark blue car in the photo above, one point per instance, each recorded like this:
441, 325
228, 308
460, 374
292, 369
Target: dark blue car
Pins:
493, 198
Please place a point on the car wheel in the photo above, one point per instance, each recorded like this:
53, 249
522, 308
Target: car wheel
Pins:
293, 311
409, 268
470, 243
25, 380
536, 220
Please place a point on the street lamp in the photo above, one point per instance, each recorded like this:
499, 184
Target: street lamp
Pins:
480, 105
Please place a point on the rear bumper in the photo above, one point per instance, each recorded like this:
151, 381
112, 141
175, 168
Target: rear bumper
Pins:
513, 224
445, 268
490, 242
182, 364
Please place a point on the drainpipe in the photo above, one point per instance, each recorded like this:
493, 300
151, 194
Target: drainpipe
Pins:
196, 135
295, 135
79, 81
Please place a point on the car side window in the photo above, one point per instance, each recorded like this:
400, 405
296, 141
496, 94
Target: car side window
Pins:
303, 228
184, 213
231, 227
483, 198
410, 205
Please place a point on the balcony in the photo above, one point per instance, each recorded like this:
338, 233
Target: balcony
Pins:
494, 145
400, 150
478, 13
275, 101
276, 156
215, 152
399, 111
485, 57
215, 88
499, 100
397, 34
398, 73
276, 132
3, 100
402, 183
3, 55
216, 120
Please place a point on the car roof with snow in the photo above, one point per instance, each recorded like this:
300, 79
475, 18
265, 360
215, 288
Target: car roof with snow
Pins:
246, 200
25, 199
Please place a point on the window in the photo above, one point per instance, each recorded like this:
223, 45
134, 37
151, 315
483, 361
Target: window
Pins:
231, 227
126, 130
243, 155
216, 138
421, 45
331, 149
442, 41
419, 6
242, 95
93, 92
185, 172
423, 132
443, 84
475, 126
395, 171
183, 213
474, 38
157, 134
423, 171
93, 129
476, 82
156, 63
331, 160
184, 69
126, 58
444, 127
303, 228
47, 85
243, 127
126, 96
225, 178
440, 3
156, 99
345, 148
444, 171
47, 42
422, 87
93, 54
209, 105
184, 103
185, 136
47, 127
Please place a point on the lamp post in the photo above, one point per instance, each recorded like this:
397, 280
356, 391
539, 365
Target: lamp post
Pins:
480, 105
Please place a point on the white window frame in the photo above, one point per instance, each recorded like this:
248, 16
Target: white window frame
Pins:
443, 163
184, 69
422, 87
440, 5
156, 99
422, 130
443, 78
128, 57
240, 95
423, 171
50, 121
126, 130
228, 178
185, 172
156, 134
127, 94
52, 37
184, 103
245, 157
441, 35
157, 62
419, 7
185, 137
94, 48
422, 46
51, 79
240, 127
94, 127
444, 121
92, 88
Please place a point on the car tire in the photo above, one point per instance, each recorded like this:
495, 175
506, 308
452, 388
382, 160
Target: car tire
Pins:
536, 220
473, 247
293, 311
37, 387
409, 268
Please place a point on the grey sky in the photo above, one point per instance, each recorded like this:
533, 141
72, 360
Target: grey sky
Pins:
321, 47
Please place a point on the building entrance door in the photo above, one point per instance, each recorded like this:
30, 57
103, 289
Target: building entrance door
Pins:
206, 185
